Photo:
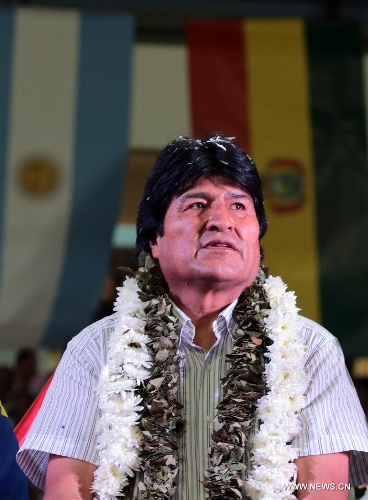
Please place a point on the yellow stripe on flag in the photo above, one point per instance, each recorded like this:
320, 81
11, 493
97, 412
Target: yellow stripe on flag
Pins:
280, 139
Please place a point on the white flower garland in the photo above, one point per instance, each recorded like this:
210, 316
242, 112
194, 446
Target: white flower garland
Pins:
119, 435
272, 459
128, 363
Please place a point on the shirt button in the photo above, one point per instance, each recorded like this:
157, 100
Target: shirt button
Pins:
208, 368
208, 419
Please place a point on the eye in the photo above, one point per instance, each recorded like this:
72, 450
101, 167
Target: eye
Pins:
238, 206
198, 205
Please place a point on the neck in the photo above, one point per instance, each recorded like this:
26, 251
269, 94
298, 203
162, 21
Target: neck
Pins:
203, 304
203, 309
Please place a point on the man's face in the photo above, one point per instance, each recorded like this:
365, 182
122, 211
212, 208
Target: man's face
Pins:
210, 235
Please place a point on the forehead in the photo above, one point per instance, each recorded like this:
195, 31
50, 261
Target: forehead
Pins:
213, 185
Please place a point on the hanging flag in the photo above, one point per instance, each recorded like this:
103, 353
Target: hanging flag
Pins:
64, 115
291, 93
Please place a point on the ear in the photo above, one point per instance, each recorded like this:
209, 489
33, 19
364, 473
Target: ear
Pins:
154, 249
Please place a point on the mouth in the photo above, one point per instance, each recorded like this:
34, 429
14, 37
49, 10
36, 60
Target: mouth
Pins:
217, 244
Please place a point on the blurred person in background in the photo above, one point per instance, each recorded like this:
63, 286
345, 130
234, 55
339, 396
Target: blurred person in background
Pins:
26, 384
6, 383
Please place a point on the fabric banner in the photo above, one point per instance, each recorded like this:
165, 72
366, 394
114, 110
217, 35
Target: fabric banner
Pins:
291, 92
64, 115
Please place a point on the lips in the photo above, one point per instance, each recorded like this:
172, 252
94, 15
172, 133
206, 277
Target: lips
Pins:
219, 244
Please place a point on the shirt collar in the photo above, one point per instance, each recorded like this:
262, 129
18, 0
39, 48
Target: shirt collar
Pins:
187, 328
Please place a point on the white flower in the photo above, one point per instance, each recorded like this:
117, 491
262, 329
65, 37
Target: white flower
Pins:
274, 287
129, 335
109, 481
134, 324
137, 373
114, 384
128, 297
288, 302
137, 357
124, 405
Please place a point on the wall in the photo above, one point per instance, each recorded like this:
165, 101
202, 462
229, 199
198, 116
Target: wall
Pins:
160, 95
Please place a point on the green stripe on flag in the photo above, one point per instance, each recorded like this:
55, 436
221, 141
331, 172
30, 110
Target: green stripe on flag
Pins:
340, 157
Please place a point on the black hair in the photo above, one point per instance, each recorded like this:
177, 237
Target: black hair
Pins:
179, 165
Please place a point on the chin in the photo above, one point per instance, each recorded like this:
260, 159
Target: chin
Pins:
224, 277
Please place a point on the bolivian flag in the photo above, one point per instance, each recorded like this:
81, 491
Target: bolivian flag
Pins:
13, 483
291, 92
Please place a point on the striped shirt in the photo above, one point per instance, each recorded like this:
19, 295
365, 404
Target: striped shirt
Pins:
332, 419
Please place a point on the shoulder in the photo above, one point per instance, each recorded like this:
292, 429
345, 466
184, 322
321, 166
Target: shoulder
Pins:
314, 334
90, 345
321, 345
95, 331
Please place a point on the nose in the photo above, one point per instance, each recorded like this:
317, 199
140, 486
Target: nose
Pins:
219, 218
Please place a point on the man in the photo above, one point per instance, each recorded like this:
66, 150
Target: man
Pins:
205, 376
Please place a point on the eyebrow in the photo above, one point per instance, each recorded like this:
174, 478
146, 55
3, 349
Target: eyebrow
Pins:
205, 194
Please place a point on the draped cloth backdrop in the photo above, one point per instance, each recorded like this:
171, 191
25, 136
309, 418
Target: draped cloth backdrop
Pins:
64, 115
293, 95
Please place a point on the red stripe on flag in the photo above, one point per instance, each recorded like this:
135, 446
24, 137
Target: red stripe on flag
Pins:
24, 425
218, 84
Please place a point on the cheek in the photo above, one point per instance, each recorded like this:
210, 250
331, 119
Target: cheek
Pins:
254, 254
172, 242
252, 239
251, 232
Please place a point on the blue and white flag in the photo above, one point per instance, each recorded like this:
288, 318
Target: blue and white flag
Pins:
64, 116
